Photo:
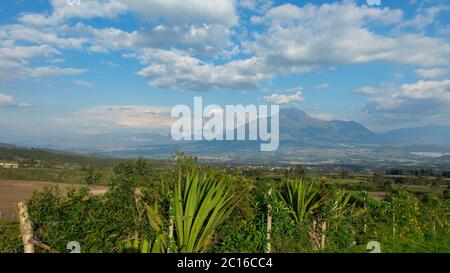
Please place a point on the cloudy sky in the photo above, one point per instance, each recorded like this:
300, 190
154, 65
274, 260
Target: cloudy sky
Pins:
93, 66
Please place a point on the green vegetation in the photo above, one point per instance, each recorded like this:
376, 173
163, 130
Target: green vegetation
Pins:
189, 207
200, 205
33, 157
10, 241
301, 199
93, 175
195, 208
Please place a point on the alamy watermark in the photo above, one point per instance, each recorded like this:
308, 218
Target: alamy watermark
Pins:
227, 124
373, 2
74, 2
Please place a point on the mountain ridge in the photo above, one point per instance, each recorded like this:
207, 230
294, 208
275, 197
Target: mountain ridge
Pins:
302, 138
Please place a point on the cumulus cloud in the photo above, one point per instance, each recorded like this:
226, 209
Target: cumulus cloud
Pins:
425, 16
201, 39
280, 99
14, 61
434, 73
17, 52
102, 40
8, 101
416, 101
48, 36
190, 34
366, 90
180, 71
62, 11
116, 117
187, 11
301, 39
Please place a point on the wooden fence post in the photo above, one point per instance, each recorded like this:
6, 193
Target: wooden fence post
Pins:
269, 224
26, 228
324, 229
171, 226
137, 193
393, 224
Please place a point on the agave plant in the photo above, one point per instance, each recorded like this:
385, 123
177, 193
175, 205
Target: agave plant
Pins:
341, 203
160, 244
302, 198
200, 205
142, 245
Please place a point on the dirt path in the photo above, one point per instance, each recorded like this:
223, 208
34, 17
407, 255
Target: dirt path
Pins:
12, 192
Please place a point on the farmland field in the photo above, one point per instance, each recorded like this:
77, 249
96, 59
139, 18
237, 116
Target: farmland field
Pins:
14, 191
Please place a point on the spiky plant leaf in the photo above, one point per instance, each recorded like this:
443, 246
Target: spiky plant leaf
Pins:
201, 204
302, 198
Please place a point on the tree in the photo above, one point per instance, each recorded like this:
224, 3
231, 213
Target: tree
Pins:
378, 179
93, 175
447, 192
298, 171
344, 173
437, 182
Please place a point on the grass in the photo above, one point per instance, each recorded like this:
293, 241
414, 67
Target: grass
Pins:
10, 241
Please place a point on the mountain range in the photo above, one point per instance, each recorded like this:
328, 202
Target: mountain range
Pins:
302, 139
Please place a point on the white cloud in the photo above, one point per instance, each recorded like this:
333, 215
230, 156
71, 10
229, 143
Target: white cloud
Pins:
180, 71
322, 86
183, 43
15, 59
25, 52
277, 98
8, 101
327, 116
62, 11
193, 25
102, 40
44, 36
433, 73
44, 71
202, 39
366, 90
425, 17
83, 83
301, 39
186, 11
415, 101
116, 117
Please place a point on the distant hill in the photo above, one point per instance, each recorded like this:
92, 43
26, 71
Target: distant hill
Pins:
428, 135
444, 158
32, 156
297, 125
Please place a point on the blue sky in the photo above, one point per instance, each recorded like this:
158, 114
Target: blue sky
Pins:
120, 65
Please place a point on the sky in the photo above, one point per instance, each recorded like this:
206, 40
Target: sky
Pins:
70, 67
